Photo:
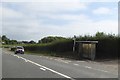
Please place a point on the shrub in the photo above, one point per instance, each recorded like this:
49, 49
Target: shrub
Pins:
57, 46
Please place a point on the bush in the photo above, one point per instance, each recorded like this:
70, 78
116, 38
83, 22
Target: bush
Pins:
13, 49
107, 46
57, 46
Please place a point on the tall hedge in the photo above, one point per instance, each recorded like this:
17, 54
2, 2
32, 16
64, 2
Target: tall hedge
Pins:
57, 46
107, 46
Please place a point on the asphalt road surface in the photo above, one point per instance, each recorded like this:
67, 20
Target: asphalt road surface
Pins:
33, 66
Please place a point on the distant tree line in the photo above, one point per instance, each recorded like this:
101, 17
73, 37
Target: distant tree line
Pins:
6, 41
49, 39
98, 36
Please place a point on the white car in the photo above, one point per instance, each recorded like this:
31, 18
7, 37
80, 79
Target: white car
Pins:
19, 49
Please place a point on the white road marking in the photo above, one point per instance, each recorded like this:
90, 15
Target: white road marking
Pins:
51, 58
92, 68
80, 61
58, 72
69, 61
65, 62
15, 55
56, 59
21, 58
26, 60
18, 56
45, 68
100, 70
61, 61
88, 67
96, 69
47, 57
76, 64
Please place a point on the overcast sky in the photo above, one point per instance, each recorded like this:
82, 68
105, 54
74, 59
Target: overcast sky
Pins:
35, 20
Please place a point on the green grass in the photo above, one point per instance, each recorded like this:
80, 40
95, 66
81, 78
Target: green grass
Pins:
40, 53
53, 54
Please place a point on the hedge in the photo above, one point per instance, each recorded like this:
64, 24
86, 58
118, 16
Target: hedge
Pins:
106, 47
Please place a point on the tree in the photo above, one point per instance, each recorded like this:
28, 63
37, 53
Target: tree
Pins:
32, 42
0, 39
100, 35
25, 42
50, 39
5, 39
13, 42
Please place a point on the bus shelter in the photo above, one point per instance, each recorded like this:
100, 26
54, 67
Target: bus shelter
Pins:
87, 49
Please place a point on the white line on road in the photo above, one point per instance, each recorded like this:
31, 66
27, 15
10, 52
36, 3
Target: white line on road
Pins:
21, 58
47, 57
44, 68
61, 61
76, 64
51, 58
96, 69
101, 70
88, 67
50, 70
93, 68
80, 61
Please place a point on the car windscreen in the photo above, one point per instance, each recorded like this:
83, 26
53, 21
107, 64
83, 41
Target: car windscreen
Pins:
19, 47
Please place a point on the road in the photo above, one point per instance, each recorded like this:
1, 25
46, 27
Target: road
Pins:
34, 66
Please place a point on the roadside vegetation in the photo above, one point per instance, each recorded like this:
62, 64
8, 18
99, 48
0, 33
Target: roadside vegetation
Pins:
107, 46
